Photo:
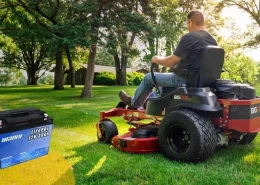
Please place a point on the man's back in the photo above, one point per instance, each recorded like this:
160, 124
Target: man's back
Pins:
190, 47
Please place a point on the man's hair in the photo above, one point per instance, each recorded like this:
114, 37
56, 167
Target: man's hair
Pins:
197, 17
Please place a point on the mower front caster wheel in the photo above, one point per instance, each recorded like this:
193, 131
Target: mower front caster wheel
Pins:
108, 130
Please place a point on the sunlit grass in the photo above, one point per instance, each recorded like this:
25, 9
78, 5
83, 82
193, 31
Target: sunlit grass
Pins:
74, 137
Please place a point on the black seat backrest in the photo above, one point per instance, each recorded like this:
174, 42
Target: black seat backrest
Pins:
211, 60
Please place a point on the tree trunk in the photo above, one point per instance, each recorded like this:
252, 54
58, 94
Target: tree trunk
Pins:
58, 76
153, 50
117, 66
168, 52
33, 79
122, 80
87, 90
156, 53
72, 69
31, 74
28, 77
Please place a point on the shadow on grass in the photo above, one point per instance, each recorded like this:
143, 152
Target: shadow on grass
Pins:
102, 164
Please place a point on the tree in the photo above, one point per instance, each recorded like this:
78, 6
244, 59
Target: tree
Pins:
252, 8
167, 20
5, 77
240, 68
28, 54
47, 79
104, 58
94, 38
237, 66
124, 22
23, 48
11, 76
75, 58
65, 24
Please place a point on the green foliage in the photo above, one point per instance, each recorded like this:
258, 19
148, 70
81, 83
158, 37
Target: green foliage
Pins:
237, 66
24, 44
22, 81
79, 56
122, 27
251, 7
105, 78
50, 27
240, 68
48, 79
4, 77
104, 58
166, 25
10, 76
108, 78
134, 78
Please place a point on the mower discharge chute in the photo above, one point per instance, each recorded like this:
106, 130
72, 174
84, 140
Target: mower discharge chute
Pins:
189, 122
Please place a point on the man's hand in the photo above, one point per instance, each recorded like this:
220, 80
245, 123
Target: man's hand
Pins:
166, 61
156, 59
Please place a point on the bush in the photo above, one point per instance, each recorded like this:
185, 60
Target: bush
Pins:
134, 78
48, 79
105, 78
109, 78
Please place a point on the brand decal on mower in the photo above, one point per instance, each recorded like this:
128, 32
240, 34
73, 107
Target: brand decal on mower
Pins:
255, 110
180, 97
11, 138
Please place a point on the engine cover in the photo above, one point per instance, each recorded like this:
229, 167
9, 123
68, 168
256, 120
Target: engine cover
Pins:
227, 89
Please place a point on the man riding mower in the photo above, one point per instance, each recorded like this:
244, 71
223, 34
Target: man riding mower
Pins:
188, 123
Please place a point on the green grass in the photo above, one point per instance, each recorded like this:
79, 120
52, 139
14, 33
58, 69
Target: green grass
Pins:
74, 137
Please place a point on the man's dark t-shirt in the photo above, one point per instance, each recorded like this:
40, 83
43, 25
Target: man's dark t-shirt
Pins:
190, 47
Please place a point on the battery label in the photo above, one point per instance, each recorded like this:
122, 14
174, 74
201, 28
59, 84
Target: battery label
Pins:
24, 145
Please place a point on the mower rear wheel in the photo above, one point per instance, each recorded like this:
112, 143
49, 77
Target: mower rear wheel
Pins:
108, 131
187, 136
248, 138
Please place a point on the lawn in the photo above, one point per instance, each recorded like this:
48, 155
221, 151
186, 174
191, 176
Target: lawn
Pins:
74, 137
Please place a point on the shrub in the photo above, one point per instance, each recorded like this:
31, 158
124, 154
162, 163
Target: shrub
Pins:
48, 79
134, 78
105, 78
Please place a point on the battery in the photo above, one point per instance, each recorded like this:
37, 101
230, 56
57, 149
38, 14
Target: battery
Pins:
24, 135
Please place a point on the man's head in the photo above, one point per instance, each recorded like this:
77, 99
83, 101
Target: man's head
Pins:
195, 20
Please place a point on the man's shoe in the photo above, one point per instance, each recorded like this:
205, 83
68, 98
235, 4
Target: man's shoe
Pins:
125, 98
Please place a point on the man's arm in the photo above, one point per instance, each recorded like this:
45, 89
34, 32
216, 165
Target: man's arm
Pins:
167, 61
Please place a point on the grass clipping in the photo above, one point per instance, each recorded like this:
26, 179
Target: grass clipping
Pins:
50, 169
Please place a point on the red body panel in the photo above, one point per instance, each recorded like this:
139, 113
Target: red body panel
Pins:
135, 145
252, 125
241, 125
127, 143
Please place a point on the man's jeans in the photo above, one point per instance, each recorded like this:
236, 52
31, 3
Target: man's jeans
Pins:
162, 79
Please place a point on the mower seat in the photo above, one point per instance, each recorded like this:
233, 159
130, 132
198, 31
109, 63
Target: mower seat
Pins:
210, 61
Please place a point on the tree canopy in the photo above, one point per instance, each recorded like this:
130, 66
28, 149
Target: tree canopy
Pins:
36, 34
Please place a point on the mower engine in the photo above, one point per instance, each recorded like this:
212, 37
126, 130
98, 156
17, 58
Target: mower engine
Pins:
240, 119
227, 89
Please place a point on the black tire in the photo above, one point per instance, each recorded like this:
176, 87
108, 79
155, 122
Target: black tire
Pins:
248, 138
108, 131
187, 136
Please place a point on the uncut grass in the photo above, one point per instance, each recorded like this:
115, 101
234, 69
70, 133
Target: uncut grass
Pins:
74, 137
